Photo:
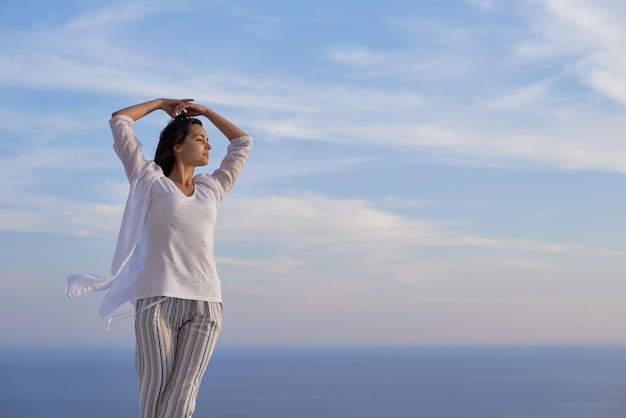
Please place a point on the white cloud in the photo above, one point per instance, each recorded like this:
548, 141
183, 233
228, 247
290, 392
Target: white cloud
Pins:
359, 56
592, 34
408, 65
521, 97
321, 221
346, 225
122, 12
48, 214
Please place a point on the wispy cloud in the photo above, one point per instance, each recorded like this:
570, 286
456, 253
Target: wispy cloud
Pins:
521, 97
122, 12
592, 34
53, 215
313, 220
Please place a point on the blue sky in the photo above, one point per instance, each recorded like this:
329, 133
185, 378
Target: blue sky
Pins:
424, 172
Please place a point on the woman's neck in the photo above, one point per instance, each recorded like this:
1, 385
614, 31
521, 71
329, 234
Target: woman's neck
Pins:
183, 178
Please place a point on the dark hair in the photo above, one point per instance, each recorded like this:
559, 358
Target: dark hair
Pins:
174, 133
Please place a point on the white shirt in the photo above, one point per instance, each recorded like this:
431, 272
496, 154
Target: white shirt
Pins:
190, 271
179, 256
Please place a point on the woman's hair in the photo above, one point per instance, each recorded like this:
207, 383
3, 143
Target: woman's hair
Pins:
174, 133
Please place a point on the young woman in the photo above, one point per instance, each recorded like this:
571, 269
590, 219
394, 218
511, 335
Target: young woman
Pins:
164, 261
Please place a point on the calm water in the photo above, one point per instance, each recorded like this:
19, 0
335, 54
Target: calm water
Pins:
556, 382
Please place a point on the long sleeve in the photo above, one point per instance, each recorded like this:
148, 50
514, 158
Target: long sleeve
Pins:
127, 146
232, 164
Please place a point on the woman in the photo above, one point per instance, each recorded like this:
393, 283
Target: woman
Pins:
164, 261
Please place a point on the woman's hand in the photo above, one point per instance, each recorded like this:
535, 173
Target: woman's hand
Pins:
191, 109
175, 106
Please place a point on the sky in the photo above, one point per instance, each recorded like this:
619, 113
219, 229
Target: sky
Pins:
424, 172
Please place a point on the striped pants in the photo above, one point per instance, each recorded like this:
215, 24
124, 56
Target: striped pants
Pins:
175, 340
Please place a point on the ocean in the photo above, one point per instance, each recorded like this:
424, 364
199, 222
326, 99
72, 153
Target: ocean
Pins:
419, 382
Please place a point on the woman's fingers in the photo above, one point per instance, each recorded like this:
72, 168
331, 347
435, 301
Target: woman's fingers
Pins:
180, 108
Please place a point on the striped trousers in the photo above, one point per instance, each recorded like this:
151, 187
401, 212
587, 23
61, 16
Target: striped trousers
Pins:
174, 342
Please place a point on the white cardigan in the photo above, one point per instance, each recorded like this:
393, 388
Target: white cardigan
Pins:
129, 257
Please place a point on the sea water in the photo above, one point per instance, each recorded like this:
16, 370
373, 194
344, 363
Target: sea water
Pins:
418, 382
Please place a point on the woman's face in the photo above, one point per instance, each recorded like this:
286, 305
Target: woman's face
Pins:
194, 151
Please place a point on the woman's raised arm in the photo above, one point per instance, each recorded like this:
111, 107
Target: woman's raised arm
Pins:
138, 111
226, 127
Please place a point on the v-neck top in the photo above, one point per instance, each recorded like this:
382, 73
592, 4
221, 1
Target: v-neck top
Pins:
180, 260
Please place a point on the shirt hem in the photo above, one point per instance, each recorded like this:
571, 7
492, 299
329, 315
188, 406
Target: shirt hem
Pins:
179, 296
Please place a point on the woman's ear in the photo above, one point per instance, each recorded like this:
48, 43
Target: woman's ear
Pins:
177, 148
